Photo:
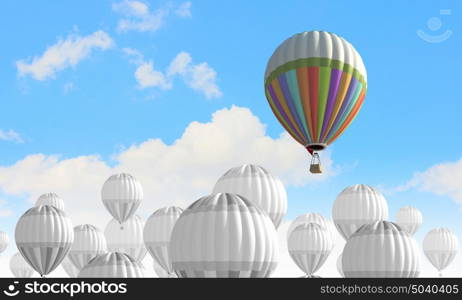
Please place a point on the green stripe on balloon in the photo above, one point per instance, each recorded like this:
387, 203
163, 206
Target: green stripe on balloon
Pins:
316, 62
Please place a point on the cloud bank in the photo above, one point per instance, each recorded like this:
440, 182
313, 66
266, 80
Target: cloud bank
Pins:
64, 54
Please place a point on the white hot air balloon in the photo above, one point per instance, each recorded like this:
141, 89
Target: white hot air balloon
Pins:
358, 205
4, 241
257, 185
44, 236
89, 242
159, 270
68, 266
409, 218
309, 246
339, 266
19, 266
224, 235
128, 240
112, 265
440, 246
121, 195
308, 218
381, 249
50, 199
157, 232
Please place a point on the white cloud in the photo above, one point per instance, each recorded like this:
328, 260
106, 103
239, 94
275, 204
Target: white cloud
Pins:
11, 136
171, 174
135, 56
131, 8
147, 76
184, 10
199, 77
180, 64
442, 179
137, 15
202, 78
65, 53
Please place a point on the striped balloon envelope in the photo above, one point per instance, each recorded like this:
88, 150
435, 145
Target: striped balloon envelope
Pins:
44, 236
315, 83
224, 236
112, 265
156, 236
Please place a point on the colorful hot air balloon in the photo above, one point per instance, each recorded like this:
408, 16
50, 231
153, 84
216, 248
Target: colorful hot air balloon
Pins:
357, 205
157, 232
122, 194
309, 246
224, 235
89, 242
50, 199
112, 265
409, 218
44, 236
128, 240
19, 266
440, 246
381, 249
257, 185
68, 266
4, 241
315, 83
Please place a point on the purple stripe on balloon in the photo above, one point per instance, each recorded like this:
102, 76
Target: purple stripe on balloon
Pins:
290, 102
346, 102
281, 110
333, 89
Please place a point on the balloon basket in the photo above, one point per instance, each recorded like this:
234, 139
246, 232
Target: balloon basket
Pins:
315, 166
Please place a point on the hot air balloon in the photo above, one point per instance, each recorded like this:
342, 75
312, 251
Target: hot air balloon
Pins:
157, 232
224, 235
381, 249
440, 246
68, 266
112, 265
89, 242
409, 218
19, 266
50, 199
339, 266
309, 246
358, 205
257, 185
308, 218
128, 240
315, 83
122, 194
159, 270
4, 241
44, 236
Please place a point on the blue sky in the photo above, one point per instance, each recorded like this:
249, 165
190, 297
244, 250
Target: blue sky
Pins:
410, 121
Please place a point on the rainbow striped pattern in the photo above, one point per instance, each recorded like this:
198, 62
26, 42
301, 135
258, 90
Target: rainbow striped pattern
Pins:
315, 98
